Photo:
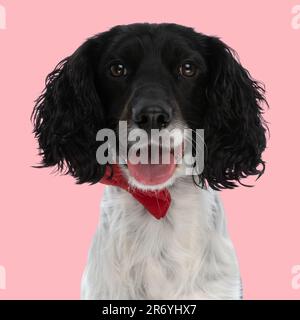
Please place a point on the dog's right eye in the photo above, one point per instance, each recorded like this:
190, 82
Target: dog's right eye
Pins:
118, 70
188, 69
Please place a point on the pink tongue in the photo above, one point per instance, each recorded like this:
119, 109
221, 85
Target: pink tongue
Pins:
152, 174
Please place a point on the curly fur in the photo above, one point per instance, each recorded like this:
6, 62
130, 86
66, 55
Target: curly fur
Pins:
226, 102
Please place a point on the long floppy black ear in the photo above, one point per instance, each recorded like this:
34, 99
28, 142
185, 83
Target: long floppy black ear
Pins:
68, 115
234, 126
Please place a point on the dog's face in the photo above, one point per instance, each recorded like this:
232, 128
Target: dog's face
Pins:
149, 77
154, 77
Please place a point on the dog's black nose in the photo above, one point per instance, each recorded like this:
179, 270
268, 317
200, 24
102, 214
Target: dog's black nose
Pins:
151, 117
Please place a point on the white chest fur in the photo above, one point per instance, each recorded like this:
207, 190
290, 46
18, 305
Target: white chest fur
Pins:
186, 255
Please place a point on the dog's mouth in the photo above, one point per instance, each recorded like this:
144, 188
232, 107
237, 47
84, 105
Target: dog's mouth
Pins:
157, 165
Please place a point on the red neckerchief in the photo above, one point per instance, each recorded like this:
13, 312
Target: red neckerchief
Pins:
156, 202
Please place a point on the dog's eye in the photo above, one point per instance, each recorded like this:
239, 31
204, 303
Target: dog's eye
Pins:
118, 70
188, 70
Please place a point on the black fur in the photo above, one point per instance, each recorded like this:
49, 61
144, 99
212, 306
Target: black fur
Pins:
80, 98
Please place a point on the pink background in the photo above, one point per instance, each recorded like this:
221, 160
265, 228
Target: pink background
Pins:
47, 222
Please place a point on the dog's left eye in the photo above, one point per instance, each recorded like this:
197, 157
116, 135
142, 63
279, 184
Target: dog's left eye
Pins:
187, 69
118, 70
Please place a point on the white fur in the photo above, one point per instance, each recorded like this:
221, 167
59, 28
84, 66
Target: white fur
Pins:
185, 255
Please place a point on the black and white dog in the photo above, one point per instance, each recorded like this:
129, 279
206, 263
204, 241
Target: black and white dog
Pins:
158, 76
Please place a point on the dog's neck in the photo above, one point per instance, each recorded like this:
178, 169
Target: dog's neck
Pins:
136, 249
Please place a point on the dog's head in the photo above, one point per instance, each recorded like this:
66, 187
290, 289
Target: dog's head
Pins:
154, 76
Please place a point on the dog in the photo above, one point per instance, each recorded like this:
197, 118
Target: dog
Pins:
156, 76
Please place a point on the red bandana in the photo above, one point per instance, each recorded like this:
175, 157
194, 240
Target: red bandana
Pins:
156, 202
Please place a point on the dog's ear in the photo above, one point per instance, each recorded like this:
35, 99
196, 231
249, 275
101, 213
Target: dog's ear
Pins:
68, 115
234, 126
